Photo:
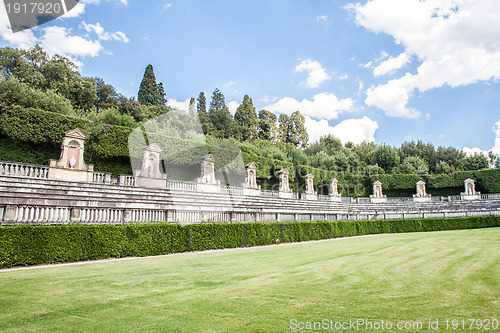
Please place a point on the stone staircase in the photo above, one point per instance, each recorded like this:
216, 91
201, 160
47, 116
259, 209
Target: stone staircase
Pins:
32, 200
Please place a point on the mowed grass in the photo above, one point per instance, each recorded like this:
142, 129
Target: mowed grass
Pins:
395, 277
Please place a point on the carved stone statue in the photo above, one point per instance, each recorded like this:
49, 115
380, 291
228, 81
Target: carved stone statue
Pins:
284, 190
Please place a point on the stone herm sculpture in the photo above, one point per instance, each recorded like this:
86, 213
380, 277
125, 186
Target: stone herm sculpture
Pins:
70, 165
334, 192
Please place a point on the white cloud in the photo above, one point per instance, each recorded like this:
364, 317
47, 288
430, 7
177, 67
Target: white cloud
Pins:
231, 84
59, 40
496, 130
181, 105
350, 130
392, 98
104, 35
317, 74
324, 105
455, 40
391, 64
322, 19
76, 11
473, 151
232, 106
165, 7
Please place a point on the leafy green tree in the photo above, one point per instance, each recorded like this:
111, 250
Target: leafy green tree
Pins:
246, 117
268, 130
413, 165
450, 155
150, 92
220, 117
285, 128
113, 117
14, 92
300, 136
475, 162
443, 167
107, 96
385, 157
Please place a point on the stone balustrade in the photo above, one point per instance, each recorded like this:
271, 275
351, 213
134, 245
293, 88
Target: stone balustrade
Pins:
23, 170
179, 185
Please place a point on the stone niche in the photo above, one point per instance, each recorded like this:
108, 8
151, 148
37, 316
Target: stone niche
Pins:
207, 182
334, 191
378, 196
150, 175
70, 166
284, 191
250, 187
421, 195
470, 190
310, 194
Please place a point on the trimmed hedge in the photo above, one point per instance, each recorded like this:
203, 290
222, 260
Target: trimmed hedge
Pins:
24, 245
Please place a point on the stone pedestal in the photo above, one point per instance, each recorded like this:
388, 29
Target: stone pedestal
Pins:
150, 175
309, 196
250, 187
70, 166
207, 182
470, 190
378, 196
284, 191
421, 195
10, 213
335, 196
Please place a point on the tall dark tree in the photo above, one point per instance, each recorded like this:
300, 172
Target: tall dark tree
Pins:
150, 92
300, 136
246, 117
285, 128
220, 117
201, 107
268, 130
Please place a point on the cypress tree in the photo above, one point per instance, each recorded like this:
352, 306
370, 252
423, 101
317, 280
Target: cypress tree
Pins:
150, 92
247, 120
219, 116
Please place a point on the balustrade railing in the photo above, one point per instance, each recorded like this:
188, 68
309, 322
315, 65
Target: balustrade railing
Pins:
490, 196
126, 180
23, 170
181, 185
102, 177
269, 193
232, 190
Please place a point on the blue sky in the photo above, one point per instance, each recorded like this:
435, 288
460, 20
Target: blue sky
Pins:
387, 71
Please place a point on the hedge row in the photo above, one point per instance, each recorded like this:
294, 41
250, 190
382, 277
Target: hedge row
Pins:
25, 245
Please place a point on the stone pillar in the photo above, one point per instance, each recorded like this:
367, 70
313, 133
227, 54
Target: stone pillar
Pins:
207, 182
10, 214
150, 175
310, 193
421, 195
70, 166
250, 187
334, 192
284, 191
75, 215
377, 195
470, 190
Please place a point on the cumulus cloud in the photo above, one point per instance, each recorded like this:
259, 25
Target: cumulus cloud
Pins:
455, 40
473, 151
60, 40
350, 130
181, 105
317, 74
322, 19
496, 130
104, 35
76, 11
324, 105
391, 64
232, 106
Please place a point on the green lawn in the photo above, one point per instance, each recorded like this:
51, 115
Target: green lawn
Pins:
396, 277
